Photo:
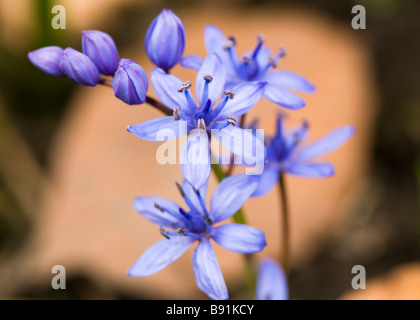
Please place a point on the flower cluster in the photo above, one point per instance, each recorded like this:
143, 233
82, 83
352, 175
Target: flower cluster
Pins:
226, 88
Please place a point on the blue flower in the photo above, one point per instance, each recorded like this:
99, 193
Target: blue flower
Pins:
196, 225
285, 154
130, 83
47, 59
255, 65
271, 281
202, 121
79, 67
101, 49
165, 40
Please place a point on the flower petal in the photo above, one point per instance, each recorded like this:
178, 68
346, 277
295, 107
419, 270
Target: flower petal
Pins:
249, 149
47, 59
326, 144
192, 62
191, 197
230, 195
283, 97
271, 281
289, 80
247, 94
214, 38
160, 255
268, 180
195, 159
159, 129
146, 207
212, 66
207, 272
239, 238
312, 170
166, 88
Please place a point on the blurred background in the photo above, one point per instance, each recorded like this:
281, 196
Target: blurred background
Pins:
69, 171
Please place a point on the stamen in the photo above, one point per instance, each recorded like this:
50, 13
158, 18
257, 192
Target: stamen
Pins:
282, 52
230, 43
208, 77
181, 232
159, 208
184, 213
272, 62
181, 191
206, 217
231, 120
163, 233
229, 93
247, 60
260, 40
201, 125
185, 86
177, 113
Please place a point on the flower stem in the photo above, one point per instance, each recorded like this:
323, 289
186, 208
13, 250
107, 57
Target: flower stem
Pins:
239, 217
158, 105
284, 225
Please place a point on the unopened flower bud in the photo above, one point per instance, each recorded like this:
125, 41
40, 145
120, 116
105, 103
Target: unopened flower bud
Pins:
79, 67
47, 59
101, 49
165, 40
130, 82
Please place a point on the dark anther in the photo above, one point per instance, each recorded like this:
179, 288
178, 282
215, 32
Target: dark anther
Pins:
159, 207
247, 60
163, 233
231, 120
207, 219
229, 93
181, 232
184, 86
177, 113
208, 77
231, 42
181, 191
272, 62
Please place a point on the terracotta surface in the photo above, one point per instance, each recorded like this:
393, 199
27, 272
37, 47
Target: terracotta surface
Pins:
88, 223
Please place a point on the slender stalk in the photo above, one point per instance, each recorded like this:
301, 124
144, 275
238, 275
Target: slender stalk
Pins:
239, 217
284, 225
232, 157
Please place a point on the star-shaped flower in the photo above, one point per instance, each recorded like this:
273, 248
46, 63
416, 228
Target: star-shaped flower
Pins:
196, 225
255, 65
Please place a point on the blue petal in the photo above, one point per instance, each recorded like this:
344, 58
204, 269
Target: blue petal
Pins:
100, 48
159, 129
239, 238
79, 67
289, 80
146, 207
214, 38
47, 59
247, 94
195, 159
191, 197
160, 255
248, 148
207, 272
268, 180
165, 40
326, 144
130, 83
212, 66
271, 281
312, 170
166, 88
283, 97
230, 195
192, 62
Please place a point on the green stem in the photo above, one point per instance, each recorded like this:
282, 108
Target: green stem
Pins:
284, 225
239, 217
